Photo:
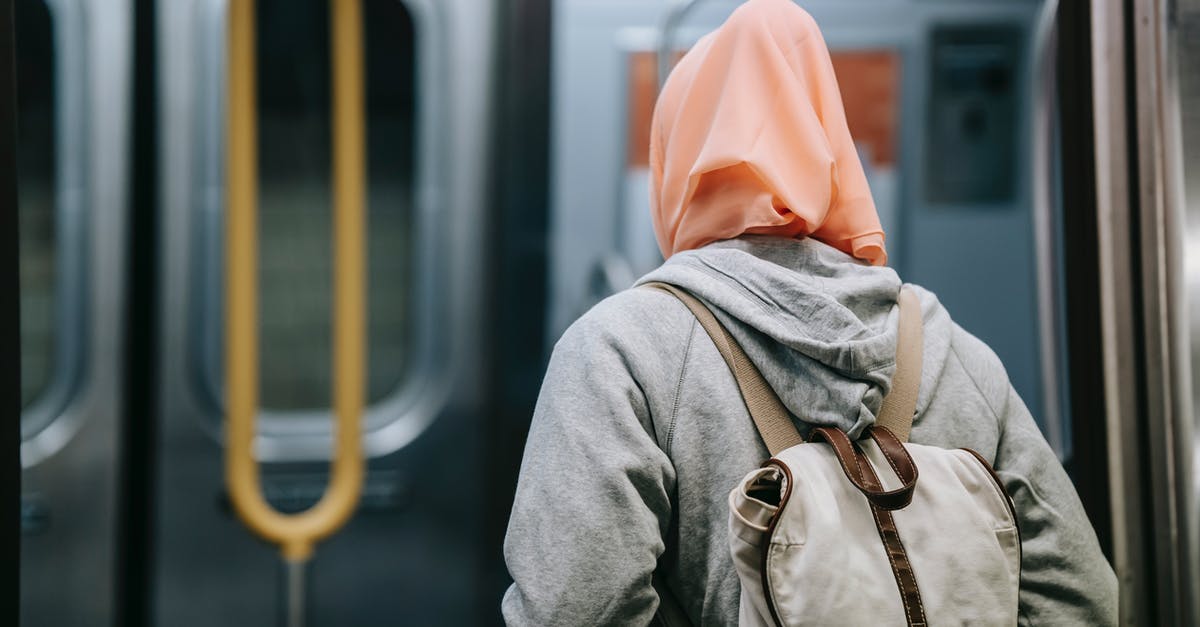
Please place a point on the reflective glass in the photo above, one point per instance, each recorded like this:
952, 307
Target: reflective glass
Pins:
295, 198
36, 180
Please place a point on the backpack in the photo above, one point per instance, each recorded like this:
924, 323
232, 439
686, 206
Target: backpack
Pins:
831, 531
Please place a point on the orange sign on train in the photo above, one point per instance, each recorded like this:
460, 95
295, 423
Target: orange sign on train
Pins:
869, 81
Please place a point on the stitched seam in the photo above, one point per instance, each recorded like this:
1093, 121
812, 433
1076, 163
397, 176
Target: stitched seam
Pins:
891, 461
996, 483
857, 467
687, 351
842, 454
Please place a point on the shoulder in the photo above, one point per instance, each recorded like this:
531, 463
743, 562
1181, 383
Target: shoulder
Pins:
636, 317
954, 354
633, 344
984, 368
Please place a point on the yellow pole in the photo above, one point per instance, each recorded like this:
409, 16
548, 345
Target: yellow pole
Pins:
296, 534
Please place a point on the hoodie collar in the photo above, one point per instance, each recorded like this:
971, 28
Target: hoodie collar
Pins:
819, 324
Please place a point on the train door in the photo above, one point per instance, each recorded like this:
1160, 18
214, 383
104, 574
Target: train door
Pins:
71, 97
1144, 91
921, 82
412, 552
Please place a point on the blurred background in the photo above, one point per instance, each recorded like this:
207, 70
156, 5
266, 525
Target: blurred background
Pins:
1036, 165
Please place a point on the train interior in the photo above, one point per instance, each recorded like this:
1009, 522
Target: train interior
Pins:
1035, 163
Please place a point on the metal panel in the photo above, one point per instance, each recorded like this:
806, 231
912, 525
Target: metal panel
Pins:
1143, 81
1161, 70
412, 552
67, 564
1185, 57
1116, 301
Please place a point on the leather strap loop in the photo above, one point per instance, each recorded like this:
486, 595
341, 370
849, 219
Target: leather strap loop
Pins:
897, 455
858, 469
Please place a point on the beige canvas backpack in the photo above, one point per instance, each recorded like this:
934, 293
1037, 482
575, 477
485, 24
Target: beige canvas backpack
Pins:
874, 532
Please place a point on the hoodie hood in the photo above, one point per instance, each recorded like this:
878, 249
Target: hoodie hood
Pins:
819, 324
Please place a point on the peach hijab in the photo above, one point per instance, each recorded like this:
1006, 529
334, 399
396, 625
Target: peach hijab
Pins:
749, 136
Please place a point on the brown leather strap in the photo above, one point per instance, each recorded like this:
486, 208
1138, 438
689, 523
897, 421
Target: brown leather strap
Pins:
858, 469
896, 455
772, 419
900, 404
902, 570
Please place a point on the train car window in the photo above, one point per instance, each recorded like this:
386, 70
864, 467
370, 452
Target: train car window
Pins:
409, 317
36, 133
295, 195
51, 161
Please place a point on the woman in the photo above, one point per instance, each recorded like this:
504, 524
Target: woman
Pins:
762, 210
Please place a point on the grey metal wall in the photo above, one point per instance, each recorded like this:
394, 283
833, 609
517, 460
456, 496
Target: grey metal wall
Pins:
69, 483
963, 222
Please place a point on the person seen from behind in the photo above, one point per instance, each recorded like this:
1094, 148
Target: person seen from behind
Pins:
762, 211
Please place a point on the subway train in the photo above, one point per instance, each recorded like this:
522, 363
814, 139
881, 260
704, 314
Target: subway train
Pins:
1035, 163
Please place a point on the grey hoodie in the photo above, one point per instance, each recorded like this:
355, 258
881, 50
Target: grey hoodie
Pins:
640, 433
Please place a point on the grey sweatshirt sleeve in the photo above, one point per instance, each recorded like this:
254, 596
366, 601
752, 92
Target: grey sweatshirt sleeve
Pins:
592, 503
1065, 578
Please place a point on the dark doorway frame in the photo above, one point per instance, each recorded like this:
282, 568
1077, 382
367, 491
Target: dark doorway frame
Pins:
10, 325
140, 397
518, 273
1089, 460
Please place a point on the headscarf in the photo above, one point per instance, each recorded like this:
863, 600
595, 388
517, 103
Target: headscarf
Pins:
749, 136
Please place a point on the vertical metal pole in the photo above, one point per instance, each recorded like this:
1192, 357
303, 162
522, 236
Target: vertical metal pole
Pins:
295, 593
10, 327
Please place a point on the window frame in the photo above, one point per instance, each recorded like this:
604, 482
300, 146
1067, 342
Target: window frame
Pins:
46, 424
415, 403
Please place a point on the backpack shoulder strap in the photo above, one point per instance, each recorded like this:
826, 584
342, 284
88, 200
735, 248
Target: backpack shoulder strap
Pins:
901, 402
772, 419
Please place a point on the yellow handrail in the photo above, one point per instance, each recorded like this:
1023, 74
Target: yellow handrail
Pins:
296, 534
